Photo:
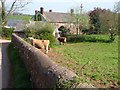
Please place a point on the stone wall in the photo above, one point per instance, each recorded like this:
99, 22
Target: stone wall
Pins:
45, 73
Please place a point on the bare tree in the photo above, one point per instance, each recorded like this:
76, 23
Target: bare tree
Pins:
80, 19
16, 5
117, 7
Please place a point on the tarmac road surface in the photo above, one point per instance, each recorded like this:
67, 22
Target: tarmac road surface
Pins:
4, 64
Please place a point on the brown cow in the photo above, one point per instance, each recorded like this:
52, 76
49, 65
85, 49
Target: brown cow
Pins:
42, 44
62, 40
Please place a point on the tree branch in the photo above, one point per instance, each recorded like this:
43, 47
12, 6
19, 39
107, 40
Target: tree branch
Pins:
17, 5
11, 7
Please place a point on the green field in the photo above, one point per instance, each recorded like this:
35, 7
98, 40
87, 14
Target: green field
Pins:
20, 17
94, 62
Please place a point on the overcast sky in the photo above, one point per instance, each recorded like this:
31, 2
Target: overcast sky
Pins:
66, 5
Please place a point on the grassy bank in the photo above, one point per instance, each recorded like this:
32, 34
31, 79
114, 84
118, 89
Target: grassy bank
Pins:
95, 63
20, 74
21, 17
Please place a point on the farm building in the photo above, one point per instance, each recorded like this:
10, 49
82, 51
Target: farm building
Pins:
58, 19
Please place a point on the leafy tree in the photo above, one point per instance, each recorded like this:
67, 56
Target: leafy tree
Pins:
108, 21
104, 21
117, 7
95, 20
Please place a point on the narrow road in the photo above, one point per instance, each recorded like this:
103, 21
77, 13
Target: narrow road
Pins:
5, 65
0, 66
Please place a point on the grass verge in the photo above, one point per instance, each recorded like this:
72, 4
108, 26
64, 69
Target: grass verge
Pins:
20, 74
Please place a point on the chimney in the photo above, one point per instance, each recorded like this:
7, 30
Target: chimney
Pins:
71, 11
36, 12
50, 10
42, 10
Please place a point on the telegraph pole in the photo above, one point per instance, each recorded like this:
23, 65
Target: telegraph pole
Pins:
81, 7
80, 26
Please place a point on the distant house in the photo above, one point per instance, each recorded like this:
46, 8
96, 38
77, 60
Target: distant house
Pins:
58, 19
17, 13
14, 23
18, 26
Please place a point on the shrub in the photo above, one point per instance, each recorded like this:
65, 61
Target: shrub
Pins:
88, 38
7, 32
28, 32
31, 29
41, 31
64, 31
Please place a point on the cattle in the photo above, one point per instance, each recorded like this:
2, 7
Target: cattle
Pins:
62, 40
41, 44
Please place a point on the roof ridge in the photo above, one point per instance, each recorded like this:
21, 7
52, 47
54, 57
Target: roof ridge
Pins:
56, 12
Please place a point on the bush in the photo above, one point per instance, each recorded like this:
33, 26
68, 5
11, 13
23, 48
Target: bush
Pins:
28, 32
64, 31
41, 31
31, 29
46, 33
7, 32
88, 38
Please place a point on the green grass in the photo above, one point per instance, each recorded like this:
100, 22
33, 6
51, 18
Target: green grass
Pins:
21, 17
95, 63
20, 74
6, 33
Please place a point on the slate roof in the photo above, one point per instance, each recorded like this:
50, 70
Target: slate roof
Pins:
14, 22
57, 17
